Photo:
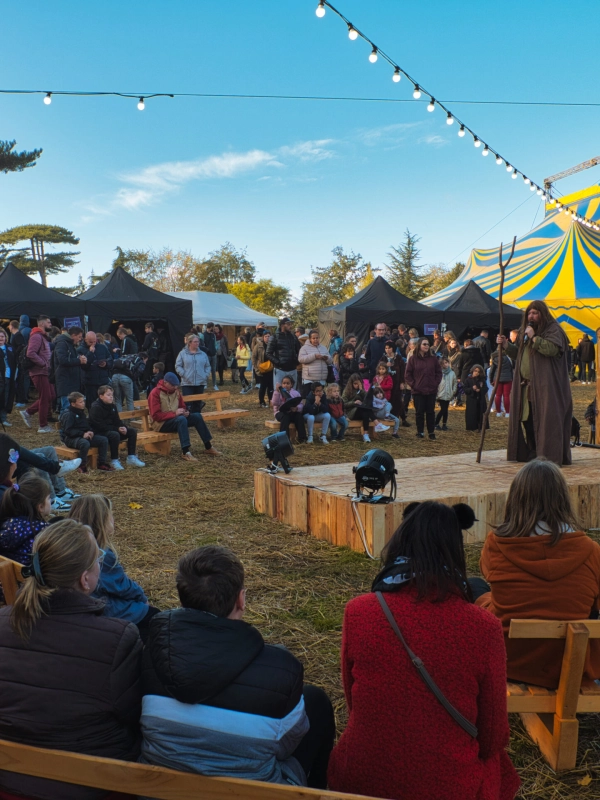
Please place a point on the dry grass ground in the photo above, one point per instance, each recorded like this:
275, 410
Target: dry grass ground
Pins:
297, 586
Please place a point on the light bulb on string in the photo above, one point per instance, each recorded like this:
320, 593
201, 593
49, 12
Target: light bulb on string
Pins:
476, 142
499, 160
373, 55
508, 167
532, 187
48, 98
396, 76
539, 191
352, 33
485, 151
417, 92
449, 119
320, 12
141, 105
461, 131
515, 174
431, 105
526, 180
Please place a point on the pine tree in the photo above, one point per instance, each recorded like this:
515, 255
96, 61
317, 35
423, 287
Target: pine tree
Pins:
404, 272
34, 257
16, 162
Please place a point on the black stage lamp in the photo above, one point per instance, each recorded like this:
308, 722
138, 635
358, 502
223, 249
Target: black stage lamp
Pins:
277, 448
374, 471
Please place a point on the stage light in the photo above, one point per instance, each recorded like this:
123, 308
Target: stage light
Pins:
48, 99
449, 119
374, 471
431, 105
352, 33
461, 131
396, 76
373, 55
417, 92
320, 12
141, 105
277, 448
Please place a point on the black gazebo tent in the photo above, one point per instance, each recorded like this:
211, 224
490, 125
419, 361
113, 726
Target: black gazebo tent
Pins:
120, 297
378, 302
20, 294
470, 308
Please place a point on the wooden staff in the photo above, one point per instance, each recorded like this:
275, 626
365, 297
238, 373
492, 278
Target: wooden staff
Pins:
486, 416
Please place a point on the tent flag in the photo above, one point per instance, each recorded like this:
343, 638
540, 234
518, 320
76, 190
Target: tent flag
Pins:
558, 262
223, 309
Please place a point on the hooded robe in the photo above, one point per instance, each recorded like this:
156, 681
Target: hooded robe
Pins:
549, 392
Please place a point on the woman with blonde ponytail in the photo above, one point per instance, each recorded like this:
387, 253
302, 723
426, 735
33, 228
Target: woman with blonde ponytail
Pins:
70, 677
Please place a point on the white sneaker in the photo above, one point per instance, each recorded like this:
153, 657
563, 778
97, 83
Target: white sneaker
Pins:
60, 505
309, 440
68, 466
324, 439
379, 428
507, 415
6, 423
45, 429
498, 413
117, 464
135, 461
26, 418
69, 494
215, 388
366, 437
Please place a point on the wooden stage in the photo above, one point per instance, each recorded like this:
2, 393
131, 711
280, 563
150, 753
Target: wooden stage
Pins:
317, 499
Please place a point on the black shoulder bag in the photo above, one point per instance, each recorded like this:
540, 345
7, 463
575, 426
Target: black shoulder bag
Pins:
426, 677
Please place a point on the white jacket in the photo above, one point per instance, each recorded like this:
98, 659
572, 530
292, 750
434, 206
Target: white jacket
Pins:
448, 385
313, 369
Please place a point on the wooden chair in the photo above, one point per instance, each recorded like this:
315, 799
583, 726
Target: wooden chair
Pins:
10, 578
139, 779
551, 716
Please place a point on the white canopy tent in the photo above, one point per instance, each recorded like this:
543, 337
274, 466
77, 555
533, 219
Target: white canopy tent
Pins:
223, 309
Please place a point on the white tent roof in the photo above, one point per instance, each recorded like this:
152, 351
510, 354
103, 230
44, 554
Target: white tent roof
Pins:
223, 309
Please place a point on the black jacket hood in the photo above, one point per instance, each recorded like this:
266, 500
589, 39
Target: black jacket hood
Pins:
196, 655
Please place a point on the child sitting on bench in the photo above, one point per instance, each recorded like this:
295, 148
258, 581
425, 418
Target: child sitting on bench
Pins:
76, 432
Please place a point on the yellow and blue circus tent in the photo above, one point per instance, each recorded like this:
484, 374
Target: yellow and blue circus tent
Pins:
558, 262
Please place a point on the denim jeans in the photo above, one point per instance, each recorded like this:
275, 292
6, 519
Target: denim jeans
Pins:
325, 419
213, 369
187, 390
386, 412
122, 388
45, 460
181, 425
63, 403
343, 423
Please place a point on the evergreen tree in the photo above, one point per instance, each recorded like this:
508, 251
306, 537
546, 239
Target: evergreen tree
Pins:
34, 258
404, 272
11, 161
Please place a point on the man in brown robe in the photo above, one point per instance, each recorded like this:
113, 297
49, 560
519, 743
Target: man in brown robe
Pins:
541, 409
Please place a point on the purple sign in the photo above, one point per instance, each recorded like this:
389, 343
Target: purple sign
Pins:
429, 329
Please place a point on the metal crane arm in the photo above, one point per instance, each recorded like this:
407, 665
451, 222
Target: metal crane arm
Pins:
565, 173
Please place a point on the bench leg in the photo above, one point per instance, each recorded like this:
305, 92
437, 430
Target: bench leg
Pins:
225, 423
92, 460
160, 448
557, 738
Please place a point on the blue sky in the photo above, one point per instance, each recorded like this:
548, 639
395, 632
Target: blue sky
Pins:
290, 180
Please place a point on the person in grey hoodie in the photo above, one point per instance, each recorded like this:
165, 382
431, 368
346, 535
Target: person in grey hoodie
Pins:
194, 368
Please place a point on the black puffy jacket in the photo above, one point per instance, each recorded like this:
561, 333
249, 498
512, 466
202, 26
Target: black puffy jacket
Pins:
283, 349
104, 417
74, 423
67, 369
75, 685
468, 358
93, 373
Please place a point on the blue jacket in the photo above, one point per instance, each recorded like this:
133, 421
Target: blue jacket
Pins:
93, 374
124, 598
24, 326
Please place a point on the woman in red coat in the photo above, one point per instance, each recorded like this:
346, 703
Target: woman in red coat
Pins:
423, 375
400, 742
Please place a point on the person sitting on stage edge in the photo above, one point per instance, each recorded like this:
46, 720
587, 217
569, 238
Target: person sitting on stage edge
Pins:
105, 421
76, 432
539, 564
292, 412
247, 712
168, 414
70, 677
400, 741
541, 405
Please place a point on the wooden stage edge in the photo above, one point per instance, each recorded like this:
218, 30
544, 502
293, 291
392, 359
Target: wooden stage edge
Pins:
317, 500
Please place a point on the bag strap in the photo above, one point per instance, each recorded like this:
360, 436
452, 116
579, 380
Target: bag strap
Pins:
426, 677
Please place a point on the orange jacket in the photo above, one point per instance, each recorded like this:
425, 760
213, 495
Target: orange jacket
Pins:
531, 579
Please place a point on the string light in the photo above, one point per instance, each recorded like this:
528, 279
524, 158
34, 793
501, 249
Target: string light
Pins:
499, 160
476, 142
532, 187
48, 98
515, 174
539, 191
396, 76
141, 105
320, 12
485, 151
449, 119
431, 105
461, 131
508, 167
526, 180
352, 33
373, 55
417, 92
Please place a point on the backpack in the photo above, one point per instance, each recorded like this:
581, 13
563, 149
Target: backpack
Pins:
132, 366
23, 361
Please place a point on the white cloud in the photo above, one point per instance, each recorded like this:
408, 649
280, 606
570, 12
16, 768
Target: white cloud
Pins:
434, 139
386, 134
315, 150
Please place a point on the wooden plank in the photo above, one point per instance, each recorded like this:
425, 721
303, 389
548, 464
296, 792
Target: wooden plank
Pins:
537, 728
292, 505
544, 704
549, 629
571, 672
139, 779
566, 737
10, 577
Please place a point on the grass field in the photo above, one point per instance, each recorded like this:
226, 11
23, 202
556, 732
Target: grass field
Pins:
297, 586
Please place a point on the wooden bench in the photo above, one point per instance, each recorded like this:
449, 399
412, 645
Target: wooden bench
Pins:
129, 777
225, 417
10, 578
551, 716
272, 424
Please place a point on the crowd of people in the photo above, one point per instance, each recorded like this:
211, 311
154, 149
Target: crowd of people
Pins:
90, 666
